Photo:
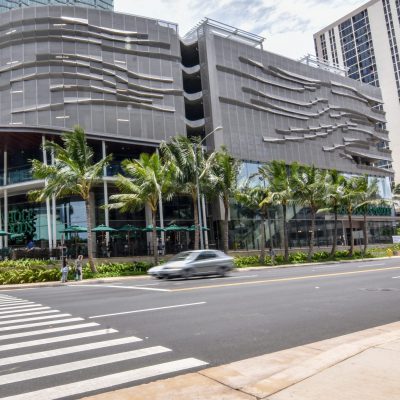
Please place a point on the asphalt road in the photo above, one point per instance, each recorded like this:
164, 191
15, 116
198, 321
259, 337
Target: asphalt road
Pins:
65, 342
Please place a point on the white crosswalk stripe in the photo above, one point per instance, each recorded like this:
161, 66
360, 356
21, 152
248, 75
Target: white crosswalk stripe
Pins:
13, 301
16, 307
25, 326
33, 319
16, 304
56, 339
115, 353
22, 313
68, 350
109, 381
49, 330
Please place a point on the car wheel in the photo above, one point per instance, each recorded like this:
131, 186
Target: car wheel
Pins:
187, 273
221, 271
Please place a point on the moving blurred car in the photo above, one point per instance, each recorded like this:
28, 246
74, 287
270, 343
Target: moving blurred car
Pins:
194, 263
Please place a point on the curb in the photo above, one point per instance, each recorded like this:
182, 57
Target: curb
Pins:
263, 376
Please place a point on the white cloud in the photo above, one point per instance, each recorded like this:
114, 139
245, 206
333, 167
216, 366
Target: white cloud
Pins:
287, 25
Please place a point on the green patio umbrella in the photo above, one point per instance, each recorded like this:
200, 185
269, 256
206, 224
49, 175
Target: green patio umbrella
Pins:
194, 228
74, 229
149, 228
15, 235
4, 233
103, 228
175, 228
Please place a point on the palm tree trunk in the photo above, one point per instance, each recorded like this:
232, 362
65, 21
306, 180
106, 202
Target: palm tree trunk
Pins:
89, 234
351, 234
334, 244
285, 233
312, 235
365, 229
262, 254
196, 224
154, 235
226, 222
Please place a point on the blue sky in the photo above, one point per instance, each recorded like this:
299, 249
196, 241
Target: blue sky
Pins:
287, 25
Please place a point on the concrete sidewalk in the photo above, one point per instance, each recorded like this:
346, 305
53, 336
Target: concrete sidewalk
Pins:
360, 366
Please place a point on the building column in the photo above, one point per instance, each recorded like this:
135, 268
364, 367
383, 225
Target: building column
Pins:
147, 214
105, 191
203, 206
54, 210
5, 199
5, 216
48, 211
1, 227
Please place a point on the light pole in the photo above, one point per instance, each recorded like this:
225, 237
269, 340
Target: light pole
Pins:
200, 219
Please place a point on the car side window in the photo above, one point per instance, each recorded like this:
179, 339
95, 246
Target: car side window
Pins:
206, 256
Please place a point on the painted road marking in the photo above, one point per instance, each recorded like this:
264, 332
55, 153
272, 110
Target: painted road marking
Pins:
54, 322
296, 278
24, 314
56, 339
14, 301
37, 318
396, 277
148, 309
49, 330
233, 277
17, 304
68, 350
123, 287
20, 310
81, 364
108, 381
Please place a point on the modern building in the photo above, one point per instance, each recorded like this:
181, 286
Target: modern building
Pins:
365, 42
6, 5
132, 82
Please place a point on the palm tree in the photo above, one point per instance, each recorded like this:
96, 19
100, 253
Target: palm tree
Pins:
257, 199
224, 171
334, 185
74, 172
146, 180
187, 157
350, 202
368, 194
277, 174
309, 191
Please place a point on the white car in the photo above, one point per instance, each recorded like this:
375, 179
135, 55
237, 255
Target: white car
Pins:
194, 263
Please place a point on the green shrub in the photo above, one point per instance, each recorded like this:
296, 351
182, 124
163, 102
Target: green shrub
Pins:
342, 254
297, 258
245, 261
117, 269
320, 256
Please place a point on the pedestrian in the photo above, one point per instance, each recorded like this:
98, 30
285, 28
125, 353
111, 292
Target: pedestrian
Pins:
64, 270
78, 268
272, 256
160, 247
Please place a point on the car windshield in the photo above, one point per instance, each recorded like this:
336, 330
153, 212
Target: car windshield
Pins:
182, 256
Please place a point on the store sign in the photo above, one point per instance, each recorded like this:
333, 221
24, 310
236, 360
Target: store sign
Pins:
372, 211
22, 220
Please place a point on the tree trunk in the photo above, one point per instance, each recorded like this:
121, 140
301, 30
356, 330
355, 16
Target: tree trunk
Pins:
196, 224
226, 223
365, 232
333, 251
351, 234
262, 254
312, 235
285, 233
154, 236
89, 235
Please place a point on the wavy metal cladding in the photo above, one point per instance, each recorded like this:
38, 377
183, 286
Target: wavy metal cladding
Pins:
113, 74
272, 107
6, 5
